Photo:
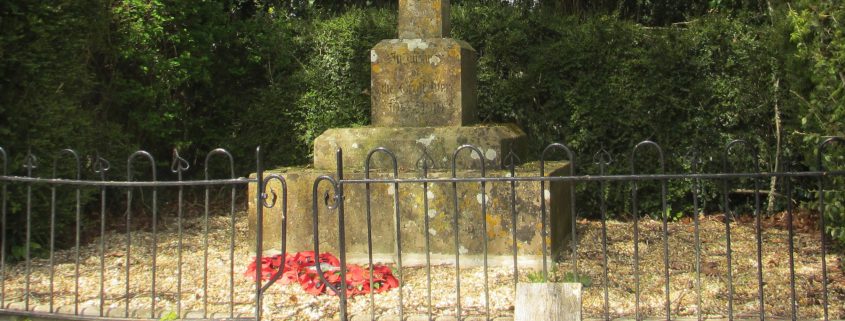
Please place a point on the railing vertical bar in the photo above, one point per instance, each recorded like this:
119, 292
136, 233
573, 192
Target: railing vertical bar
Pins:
696, 211
791, 242
128, 246
728, 252
3, 233
666, 279
400, 273
179, 166
232, 232
77, 240
635, 213
368, 193
823, 238
574, 213
759, 238
485, 239
822, 227
342, 236
259, 230
457, 240
101, 166
205, 246
603, 160
543, 227
30, 165
284, 244
427, 231
52, 246
155, 249
512, 171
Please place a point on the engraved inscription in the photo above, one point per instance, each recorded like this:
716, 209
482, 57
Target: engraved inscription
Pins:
410, 89
411, 58
396, 106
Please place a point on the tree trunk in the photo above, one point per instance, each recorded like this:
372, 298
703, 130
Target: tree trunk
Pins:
773, 183
548, 302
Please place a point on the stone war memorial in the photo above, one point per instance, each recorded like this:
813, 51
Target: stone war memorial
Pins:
424, 107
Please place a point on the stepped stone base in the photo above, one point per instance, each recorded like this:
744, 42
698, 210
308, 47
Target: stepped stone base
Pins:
407, 143
412, 213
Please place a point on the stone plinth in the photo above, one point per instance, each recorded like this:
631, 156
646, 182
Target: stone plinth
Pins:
424, 19
412, 212
494, 141
423, 83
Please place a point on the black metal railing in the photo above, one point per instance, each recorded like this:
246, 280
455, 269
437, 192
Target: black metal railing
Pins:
103, 188
634, 179
136, 207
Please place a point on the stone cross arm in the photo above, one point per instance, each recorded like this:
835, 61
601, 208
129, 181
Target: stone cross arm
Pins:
424, 19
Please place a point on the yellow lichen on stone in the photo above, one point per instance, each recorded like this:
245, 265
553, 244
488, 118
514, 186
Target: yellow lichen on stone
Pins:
455, 51
493, 224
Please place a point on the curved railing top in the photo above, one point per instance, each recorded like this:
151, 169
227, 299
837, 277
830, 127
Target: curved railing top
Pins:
75, 156
660, 155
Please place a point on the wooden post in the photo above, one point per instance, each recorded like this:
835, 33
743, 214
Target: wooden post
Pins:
548, 302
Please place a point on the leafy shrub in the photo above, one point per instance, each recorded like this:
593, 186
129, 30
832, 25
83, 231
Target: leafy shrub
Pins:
816, 64
336, 73
602, 83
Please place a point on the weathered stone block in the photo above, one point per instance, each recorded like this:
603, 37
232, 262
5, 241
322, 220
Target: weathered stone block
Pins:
548, 302
423, 83
495, 142
413, 212
424, 19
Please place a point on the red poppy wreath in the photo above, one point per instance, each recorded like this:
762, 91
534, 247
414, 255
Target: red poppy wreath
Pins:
300, 268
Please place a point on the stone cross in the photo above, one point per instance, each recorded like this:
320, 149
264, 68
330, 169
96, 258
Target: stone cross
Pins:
422, 19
